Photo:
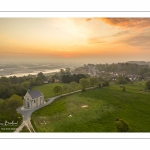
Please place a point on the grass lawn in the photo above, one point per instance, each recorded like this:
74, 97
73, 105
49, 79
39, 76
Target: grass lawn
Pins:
47, 89
95, 110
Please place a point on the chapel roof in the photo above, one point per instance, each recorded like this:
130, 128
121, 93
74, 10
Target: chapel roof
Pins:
35, 94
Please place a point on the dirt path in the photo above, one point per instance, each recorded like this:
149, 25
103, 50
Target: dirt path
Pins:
24, 123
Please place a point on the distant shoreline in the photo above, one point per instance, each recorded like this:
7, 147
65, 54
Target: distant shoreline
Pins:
32, 73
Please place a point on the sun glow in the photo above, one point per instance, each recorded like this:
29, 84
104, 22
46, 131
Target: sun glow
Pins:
74, 38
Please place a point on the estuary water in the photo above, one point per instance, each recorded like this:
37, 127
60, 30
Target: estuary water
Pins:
33, 73
19, 70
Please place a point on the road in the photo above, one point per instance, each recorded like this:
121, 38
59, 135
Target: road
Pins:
27, 113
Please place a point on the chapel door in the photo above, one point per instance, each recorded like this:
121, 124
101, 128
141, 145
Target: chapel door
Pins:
28, 104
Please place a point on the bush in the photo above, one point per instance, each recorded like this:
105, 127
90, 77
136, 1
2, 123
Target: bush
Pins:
84, 83
121, 80
57, 89
83, 90
148, 84
121, 125
105, 83
123, 88
99, 85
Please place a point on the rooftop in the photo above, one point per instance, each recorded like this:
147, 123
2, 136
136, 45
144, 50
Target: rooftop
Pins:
35, 94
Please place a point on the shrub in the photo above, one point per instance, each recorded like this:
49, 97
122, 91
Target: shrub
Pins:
148, 84
121, 125
123, 88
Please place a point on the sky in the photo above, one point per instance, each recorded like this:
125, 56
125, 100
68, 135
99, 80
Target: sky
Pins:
89, 40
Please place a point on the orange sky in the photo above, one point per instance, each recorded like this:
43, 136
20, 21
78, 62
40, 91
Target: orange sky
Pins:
101, 39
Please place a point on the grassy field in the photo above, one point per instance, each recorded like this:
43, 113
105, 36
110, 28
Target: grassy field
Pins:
47, 89
95, 110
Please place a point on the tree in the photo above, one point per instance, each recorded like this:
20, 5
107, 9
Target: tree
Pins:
73, 85
84, 83
66, 78
121, 125
148, 84
39, 81
2, 108
20, 90
68, 71
32, 82
4, 80
25, 84
14, 80
70, 78
79, 76
105, 83
93, 81
121, 80
41, 75
6, 90
123, 88
62, 72
2, 91
13, 103
57, 89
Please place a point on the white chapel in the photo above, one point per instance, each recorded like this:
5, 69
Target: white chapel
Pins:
33, 99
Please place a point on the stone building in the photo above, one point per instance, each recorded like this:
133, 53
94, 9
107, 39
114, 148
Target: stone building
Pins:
33, 99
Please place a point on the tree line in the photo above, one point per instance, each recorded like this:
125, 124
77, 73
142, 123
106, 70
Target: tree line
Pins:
19, 85
83, 84
128, 67
70, 78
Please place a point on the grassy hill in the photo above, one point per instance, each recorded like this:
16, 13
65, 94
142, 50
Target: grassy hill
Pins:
96, 110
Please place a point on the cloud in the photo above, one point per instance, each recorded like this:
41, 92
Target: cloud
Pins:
95, 41
88, 19
64, 50
121, 33
139, 40
127, 22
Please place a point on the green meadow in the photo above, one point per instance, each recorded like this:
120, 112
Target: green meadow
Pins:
47, 89
96, 110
